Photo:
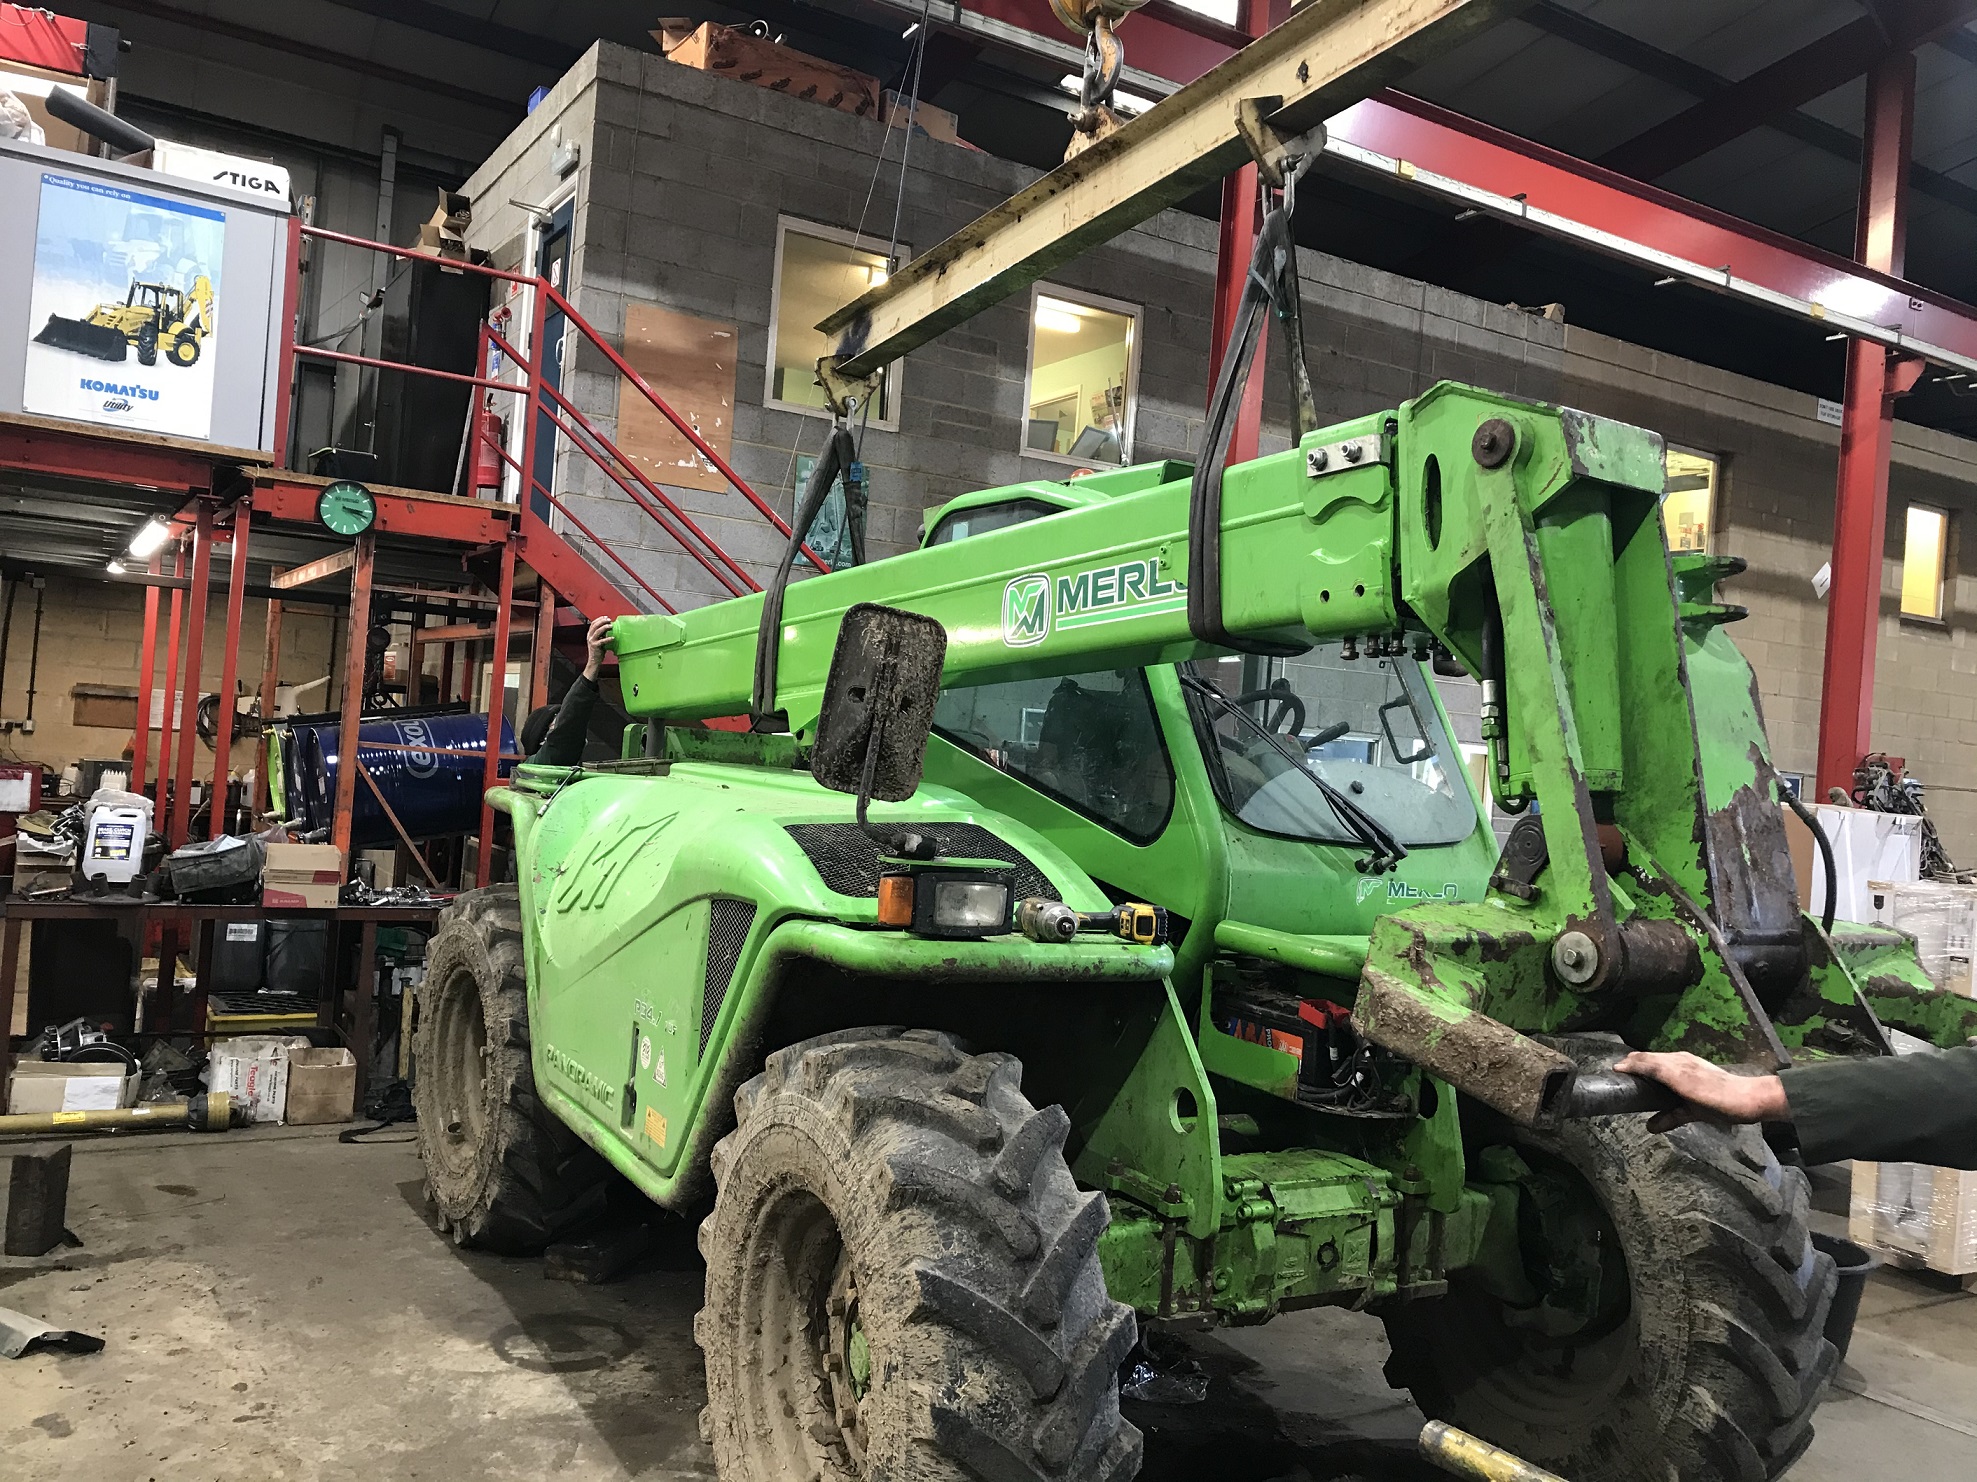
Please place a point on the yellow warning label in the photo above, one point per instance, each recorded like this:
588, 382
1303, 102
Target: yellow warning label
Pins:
66, 1119
655, 1126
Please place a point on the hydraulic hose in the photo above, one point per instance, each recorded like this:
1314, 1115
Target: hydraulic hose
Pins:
1832, 874
839, 454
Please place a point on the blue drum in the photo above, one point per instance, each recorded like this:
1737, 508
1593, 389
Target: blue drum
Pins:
433, 792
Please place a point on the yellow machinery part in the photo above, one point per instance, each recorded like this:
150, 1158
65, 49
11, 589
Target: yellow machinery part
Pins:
1469, 1456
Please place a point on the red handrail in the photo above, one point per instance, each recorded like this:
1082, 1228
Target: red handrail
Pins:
562, 401
546, 404
674, 417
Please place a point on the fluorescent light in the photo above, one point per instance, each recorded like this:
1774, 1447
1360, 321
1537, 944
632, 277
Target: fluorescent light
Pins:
903, 35
876, 275
1057, 321
148, 541
115, 568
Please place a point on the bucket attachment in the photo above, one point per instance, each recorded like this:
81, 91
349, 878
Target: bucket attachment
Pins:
99, 341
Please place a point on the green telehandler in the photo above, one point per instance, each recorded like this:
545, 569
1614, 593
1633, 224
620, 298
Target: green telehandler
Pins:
1101, 927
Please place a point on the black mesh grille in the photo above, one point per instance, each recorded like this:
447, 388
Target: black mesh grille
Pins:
727, 929
848, 858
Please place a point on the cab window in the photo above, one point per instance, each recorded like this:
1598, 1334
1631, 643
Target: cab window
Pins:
1091, 741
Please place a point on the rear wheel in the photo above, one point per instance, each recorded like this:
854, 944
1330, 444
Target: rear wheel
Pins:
1672, 1330
903, 1279
147, 345
501, 1171
185, 347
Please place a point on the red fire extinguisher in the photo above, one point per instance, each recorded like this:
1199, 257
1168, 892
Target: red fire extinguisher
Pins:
490, 435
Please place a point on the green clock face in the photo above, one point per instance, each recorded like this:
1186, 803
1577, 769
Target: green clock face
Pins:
346, 508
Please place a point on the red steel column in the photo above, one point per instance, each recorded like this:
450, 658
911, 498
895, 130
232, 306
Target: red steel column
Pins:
168, 707
497, 691
1860, 515
1235, 242
195, 651
355, 648
229, 673
147, 674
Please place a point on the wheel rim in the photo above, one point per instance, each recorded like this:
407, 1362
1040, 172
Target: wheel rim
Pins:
460, 1043
805, 1365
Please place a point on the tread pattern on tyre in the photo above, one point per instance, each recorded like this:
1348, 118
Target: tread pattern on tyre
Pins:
534, 1180
961, 1207
1742, 1364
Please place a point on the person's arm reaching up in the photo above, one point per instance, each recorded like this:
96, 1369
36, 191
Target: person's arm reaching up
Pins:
563, 745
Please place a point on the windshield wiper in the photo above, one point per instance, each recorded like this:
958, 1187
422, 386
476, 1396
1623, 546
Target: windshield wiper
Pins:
1384, 851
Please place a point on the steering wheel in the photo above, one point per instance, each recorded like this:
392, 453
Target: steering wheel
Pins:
1288, 707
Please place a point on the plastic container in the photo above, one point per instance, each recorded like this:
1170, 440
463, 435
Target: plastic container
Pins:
1856, 1263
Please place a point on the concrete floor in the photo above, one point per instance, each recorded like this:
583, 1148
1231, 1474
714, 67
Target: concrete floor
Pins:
277, 1310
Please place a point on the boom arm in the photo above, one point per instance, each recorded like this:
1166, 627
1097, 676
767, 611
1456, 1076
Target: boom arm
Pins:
1657, 897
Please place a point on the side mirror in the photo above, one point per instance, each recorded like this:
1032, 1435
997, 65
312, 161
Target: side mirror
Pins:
879, 704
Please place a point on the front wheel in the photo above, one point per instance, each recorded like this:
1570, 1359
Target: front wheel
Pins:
1670, 1326
902, 1278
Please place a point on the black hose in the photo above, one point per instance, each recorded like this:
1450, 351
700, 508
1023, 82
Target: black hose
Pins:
1806, 817
34, 648
113, 131
839, 454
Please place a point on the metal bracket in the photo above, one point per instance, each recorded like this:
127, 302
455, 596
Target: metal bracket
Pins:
842, 394
1342, 457
1277, 158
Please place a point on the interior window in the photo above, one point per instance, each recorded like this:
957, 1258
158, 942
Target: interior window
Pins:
1091, 741
1080, 381
819, 270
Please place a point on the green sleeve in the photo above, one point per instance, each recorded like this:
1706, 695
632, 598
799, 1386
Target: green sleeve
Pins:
1901, 1109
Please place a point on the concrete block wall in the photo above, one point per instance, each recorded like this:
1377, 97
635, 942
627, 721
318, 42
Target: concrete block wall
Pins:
92, 632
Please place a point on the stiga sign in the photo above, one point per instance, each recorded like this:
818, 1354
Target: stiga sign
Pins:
1034, 606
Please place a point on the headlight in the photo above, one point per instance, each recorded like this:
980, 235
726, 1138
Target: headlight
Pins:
970, 905
946, 898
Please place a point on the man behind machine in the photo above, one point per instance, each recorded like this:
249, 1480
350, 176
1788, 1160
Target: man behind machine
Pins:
554, 735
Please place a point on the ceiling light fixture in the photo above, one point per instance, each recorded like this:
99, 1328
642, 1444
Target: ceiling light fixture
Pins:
1056, 320
115, 568
150, 539
907, 33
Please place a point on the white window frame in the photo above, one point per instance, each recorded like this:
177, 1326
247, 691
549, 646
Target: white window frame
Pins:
1718, 463
895, 372
1135, 313
1940, 617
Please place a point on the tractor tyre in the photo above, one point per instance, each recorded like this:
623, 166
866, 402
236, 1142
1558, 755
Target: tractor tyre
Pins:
185, 348
147, 345
1712, 1356
903, 1279
502, 1172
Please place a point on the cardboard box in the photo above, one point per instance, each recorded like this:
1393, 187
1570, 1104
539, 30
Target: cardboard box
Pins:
1921, 1216
58, 1086
444, 233
306, 875
322, 1087
712, 47
1942, 918
253, 1070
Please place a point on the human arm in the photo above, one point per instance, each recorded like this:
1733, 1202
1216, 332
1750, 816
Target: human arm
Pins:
1906, 1109
563, 744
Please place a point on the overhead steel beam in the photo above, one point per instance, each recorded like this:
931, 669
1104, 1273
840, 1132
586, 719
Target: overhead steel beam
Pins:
1810, 72
1330, 53
318, 570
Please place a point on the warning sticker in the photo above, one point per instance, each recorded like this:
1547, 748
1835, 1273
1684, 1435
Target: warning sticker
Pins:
655, 1126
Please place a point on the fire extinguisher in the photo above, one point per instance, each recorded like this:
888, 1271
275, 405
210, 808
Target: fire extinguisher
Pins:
490, 435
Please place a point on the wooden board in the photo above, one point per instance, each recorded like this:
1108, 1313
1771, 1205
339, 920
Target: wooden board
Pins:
690, 363
108, 707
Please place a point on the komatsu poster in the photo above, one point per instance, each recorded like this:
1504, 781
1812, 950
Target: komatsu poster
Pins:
124, 309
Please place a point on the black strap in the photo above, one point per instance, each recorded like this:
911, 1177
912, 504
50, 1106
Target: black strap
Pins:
1272, 283
838, 457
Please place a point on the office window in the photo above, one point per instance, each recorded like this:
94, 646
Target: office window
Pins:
818, 269
1922, 553
1688, 500
1229, 12
1084, 355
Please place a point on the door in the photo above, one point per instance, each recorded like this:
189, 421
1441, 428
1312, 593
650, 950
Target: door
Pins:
552, 264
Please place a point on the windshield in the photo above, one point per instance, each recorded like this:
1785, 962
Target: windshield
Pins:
1273, 730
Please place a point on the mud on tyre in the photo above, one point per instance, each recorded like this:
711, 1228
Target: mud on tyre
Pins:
501, 1172
1713, 1356
902, 1277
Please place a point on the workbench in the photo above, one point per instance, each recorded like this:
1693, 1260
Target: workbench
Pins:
193, 925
